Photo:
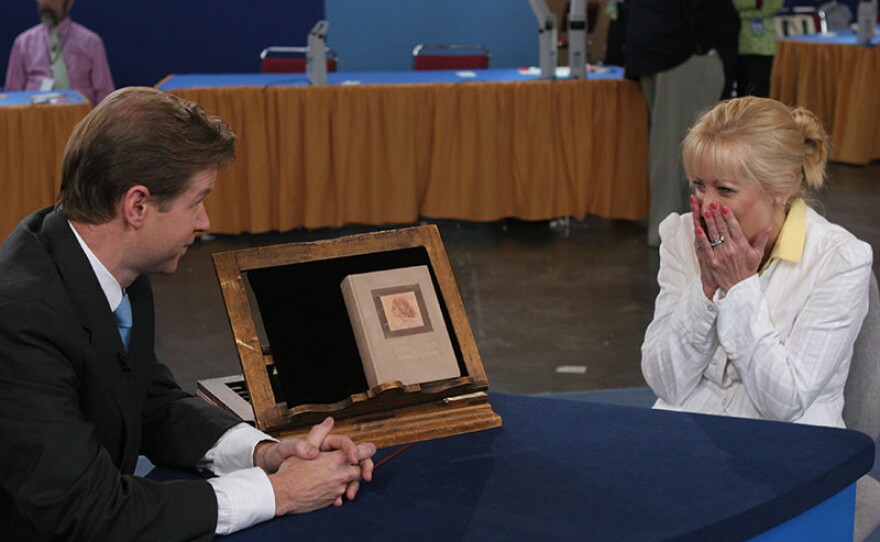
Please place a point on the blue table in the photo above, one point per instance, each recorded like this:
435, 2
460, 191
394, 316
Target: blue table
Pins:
567, 470
208, 80
839, 37
391, 147
54, 97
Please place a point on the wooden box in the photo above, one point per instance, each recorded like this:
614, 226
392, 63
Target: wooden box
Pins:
298, 353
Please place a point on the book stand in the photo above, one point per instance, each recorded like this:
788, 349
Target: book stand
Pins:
298, 353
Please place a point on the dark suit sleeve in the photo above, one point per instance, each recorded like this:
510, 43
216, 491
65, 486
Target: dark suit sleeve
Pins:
57, 480
178, 429
715, 24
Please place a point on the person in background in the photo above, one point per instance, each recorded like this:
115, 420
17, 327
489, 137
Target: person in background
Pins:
615, 52
684, 54
761, 298
757, 46
59, 54
82, 394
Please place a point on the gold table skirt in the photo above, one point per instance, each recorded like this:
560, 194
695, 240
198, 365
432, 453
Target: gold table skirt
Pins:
327, 156
839, 83
32, 141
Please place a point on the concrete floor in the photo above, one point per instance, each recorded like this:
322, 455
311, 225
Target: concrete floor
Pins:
539, 297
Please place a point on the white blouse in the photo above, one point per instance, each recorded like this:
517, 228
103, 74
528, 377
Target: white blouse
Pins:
788, 333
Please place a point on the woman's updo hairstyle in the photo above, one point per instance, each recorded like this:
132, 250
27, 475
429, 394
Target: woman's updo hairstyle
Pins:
817, 146
784, 150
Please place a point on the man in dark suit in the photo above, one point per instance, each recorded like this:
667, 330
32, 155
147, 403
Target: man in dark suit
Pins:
683, 52
81, 391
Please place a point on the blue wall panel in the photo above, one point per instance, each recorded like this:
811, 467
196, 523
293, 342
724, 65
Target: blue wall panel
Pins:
147, 40
380, 34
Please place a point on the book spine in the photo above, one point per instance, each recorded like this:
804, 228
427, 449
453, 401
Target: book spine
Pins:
360, 332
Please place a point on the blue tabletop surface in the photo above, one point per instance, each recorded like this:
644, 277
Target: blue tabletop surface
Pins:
26, 97
839, 37
567, 470
372, 78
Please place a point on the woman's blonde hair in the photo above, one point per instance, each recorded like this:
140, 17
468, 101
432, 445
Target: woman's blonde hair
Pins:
784, 150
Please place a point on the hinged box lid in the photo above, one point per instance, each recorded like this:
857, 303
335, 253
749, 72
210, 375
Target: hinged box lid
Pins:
298, 351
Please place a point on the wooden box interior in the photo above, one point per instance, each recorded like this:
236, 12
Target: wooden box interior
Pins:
298, 353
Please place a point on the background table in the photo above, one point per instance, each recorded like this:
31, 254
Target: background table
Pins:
32, 141
568, 470
376, 148
838, 80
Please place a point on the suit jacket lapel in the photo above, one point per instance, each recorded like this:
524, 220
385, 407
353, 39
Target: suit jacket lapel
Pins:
94, 313
82, 286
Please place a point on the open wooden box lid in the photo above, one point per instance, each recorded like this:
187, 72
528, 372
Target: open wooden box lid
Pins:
298, 352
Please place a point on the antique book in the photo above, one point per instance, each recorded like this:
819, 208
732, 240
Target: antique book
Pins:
399, 327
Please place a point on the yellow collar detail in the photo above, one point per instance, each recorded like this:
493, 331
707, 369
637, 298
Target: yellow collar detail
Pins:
790, 243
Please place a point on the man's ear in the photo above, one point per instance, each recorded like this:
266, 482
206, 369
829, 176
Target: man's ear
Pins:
134, 205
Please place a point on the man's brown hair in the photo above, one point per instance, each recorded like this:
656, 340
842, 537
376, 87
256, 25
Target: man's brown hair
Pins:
138, 136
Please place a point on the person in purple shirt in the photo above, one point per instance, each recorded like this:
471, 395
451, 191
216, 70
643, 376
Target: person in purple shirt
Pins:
57, 54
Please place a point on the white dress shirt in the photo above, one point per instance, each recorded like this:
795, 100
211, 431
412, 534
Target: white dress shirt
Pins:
244, 494
788, 333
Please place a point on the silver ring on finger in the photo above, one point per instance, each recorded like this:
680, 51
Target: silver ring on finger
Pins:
715, 242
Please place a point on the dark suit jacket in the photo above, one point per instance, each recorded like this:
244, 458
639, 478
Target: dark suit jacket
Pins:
663, 34
76, 410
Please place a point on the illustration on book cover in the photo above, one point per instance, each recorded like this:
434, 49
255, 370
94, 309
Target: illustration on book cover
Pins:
401, 310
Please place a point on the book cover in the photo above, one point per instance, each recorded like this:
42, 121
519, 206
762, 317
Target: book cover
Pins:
399, 326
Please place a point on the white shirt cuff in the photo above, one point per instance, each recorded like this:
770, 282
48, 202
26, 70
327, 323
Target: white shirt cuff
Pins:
244, 498
234, 450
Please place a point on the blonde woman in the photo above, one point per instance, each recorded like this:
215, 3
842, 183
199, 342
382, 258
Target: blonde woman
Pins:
761, 298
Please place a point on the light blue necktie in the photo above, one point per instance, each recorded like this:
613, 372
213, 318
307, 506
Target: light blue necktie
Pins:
123, 319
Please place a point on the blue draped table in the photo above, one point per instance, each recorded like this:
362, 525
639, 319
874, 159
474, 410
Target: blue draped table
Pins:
568, 470
196, 80
391, 147
53, 97
838, 80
